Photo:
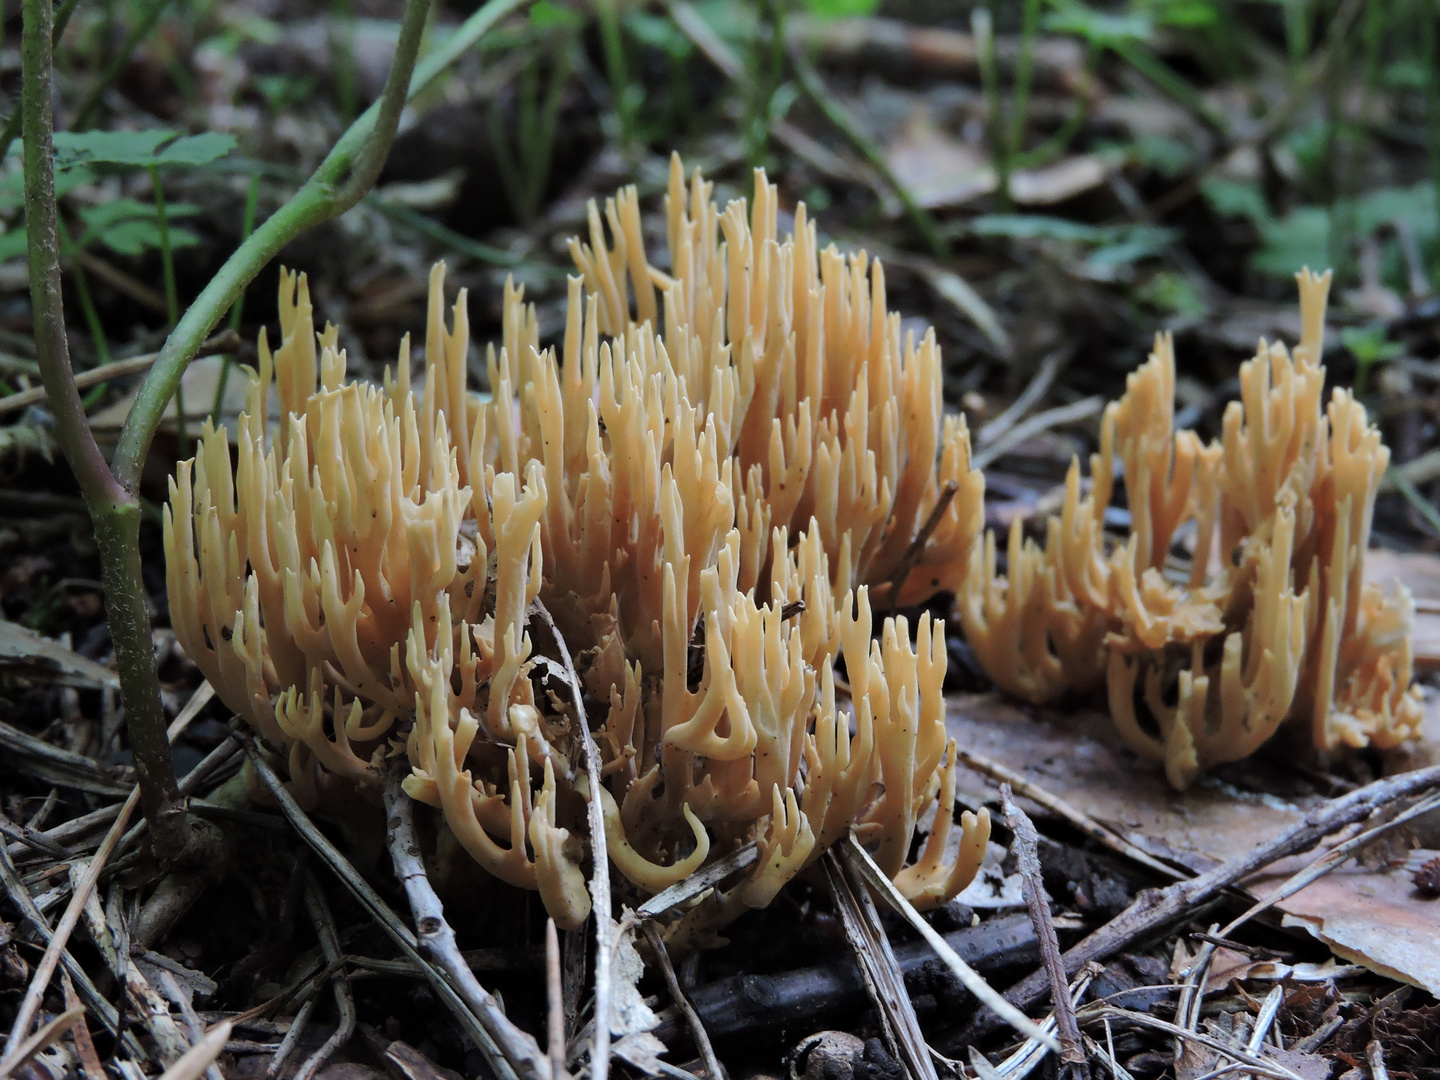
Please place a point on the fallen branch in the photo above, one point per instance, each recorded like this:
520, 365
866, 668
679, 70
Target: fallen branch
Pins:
436, 938
1153, 909
227, 341
480, 1031
969, 978
605, 935
1027, 850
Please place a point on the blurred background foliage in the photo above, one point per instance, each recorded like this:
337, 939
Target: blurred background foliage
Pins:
1042, 177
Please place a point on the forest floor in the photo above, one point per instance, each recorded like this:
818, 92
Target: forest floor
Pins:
1047, 189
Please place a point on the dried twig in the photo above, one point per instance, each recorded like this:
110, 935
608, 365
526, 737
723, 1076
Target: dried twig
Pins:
605, 935
1375, 1058
86, 886
1066, 811
526, 1053
46, 1036
1035, 391
170, 987
1031, 1052
1156, 908
506, 1046
917, 542
1254, 1062
90, 1065
293, 1033
1041, 421
36, 841
555, 1000
1332, 859
706, 877
1027, 849
68, 921
968, 976
713, 1069
318, 909
879, 968
226, 341
1269, 1010
201, 1056
20, 897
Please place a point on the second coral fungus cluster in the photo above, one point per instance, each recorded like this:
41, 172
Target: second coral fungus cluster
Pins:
704, 485
1273, 619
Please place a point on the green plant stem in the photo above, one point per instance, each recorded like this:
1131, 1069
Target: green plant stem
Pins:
1171, 82
227, 364
114, 511
138, 33
1429, 12
82, 293
823, 100
317, 200
1057, 143
616, 69
1024, 67
1423, 506
342, 45
167, 256
12, 124
542, 150
982, 27
172, 299
1297, 34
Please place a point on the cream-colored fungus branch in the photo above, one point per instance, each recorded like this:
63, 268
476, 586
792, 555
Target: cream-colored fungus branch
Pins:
702, 484
1274, 621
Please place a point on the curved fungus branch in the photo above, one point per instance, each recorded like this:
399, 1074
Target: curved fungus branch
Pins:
703, 484
699, 483
1274, 622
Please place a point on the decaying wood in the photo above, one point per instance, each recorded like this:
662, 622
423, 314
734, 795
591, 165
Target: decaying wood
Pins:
805, 999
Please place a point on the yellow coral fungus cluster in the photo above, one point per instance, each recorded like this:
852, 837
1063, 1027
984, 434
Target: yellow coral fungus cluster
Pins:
701, 487
1273, 620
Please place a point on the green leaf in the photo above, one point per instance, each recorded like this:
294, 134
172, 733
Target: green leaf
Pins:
1172, 294
1133, 244
1236, 198
132, 148
1413, 205
1300, 238
138, 149
1099, 28
1035, 227
839, 9
1166, 155
658, 33
129, 227
545, 15
1368, 344
199, 149
12, 186
1185, 14
737, 24
13, 244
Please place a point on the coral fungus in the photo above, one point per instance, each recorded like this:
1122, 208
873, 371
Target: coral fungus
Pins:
1273, 621
703, 487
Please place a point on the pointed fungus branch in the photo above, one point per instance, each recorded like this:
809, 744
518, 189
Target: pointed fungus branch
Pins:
362, 568
696, 493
